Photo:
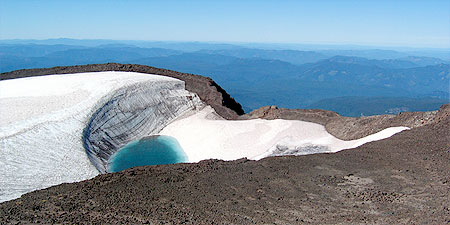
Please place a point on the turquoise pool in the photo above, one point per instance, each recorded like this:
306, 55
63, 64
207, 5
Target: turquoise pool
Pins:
152, 150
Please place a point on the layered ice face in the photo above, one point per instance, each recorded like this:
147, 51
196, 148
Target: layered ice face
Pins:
64, 128
67, 128
133, 112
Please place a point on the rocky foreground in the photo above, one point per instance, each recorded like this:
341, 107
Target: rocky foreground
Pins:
404, 179
401, 180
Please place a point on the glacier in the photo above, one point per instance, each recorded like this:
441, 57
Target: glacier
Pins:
64, 128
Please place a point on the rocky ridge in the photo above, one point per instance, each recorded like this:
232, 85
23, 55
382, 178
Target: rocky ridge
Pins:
346, 128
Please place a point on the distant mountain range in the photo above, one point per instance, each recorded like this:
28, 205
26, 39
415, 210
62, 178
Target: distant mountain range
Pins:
340, 80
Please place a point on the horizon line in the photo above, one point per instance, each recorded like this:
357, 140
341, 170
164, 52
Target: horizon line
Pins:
389, 46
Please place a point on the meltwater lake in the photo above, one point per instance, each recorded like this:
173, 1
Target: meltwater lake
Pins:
152, 150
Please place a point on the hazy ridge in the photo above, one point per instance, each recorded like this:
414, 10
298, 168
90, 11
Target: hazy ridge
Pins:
359, 81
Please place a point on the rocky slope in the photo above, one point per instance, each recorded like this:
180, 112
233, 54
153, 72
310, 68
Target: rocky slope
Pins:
401, 180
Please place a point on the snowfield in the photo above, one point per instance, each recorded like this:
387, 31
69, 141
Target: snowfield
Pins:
42, 121
205, 135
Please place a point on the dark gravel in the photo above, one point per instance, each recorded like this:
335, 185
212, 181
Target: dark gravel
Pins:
401, 180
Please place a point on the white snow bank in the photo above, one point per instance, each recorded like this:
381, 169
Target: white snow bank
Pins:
203, 137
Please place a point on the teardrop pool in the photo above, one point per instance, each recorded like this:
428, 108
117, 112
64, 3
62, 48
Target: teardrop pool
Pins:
152, 150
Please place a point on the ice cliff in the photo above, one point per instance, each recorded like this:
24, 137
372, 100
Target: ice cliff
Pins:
134, 112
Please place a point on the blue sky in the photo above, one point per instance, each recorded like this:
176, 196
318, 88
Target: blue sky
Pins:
409, 23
